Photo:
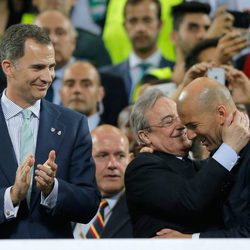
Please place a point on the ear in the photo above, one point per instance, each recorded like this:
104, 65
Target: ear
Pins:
124, 25
221, 114
101, 93
7, 67
131, 156
144, 137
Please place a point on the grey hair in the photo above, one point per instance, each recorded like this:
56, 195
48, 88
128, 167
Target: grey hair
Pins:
138, 120
13, 41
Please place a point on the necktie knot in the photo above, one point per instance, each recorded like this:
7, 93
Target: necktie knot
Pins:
144, 66
26, 114
96, 228
103, 204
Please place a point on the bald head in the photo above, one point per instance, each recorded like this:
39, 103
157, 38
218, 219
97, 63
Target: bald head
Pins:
205, 95
203, 107
81, 89
108, 131
63, 6
111, 155
87, 69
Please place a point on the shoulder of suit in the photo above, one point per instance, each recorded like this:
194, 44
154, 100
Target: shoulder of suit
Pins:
113, 68
66, 112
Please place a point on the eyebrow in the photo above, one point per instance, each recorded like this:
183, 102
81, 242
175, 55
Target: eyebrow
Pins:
163, 118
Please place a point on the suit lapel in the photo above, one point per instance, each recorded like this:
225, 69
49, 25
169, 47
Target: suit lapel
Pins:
177, 165
50, 136
8, 162
116, 221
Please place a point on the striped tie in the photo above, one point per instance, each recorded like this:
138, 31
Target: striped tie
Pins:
27, 144
96, 228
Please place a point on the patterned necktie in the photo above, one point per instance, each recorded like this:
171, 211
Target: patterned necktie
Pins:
96, 228
27, 144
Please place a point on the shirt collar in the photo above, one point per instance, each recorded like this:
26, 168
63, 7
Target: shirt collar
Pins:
113, 200
93, 121
153, 60
10, 109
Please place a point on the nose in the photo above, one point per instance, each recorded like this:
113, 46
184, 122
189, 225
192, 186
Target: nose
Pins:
191, 134
201, 34
140, 26
47, 76
77, 88
53, 37
112, 163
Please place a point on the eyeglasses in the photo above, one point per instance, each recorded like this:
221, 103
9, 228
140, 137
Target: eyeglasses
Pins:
166, 122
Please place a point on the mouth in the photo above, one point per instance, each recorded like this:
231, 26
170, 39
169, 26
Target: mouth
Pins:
112, 176
77, 100
41, 87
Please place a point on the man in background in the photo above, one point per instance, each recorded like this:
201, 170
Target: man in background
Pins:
82, 91
111, 155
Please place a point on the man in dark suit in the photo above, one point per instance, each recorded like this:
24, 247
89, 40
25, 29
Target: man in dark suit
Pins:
209, 104
55, 182
142, 24
111, 155
165, 189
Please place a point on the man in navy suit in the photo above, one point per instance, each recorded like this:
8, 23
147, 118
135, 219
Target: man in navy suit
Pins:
142, 24
61, 172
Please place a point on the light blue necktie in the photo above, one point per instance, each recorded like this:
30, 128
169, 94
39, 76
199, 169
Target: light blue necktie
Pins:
144, 66
27, 145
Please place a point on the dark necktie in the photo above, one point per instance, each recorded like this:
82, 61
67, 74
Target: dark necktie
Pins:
96, 228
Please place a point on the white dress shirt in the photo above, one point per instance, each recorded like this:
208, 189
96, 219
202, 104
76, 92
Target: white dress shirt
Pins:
82, 229
13, 117
135, 70
93, 121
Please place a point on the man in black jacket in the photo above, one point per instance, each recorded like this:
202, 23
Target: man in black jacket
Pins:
165, 189
111, 155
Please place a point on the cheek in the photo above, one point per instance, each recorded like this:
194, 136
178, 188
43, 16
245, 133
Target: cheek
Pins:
99, 170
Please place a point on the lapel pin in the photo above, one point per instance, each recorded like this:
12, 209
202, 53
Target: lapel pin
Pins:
59, 132
52, 130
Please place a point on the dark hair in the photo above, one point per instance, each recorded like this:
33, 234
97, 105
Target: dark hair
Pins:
14, 38
193, 55
135, 2
179, 11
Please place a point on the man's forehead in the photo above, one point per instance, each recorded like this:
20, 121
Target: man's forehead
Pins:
192, 18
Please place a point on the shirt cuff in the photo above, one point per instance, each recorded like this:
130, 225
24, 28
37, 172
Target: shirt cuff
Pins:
231, 156
9, 210
196, 236
50, 200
